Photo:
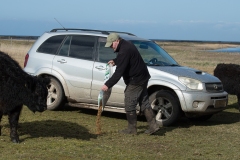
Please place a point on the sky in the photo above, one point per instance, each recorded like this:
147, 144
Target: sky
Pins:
206, 20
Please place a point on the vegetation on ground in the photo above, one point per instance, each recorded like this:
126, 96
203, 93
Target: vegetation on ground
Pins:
71, 132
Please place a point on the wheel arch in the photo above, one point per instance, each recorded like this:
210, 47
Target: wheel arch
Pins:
61, 81
155, 88
175, 91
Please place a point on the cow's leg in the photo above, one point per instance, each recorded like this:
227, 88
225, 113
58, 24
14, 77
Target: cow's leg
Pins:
1, 114
238, 97
13, 118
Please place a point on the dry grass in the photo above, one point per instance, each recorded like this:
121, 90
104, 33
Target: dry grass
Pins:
195, 55
71, 133
17, 49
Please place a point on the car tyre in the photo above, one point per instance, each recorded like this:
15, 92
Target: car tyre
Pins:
165, 106
56, 98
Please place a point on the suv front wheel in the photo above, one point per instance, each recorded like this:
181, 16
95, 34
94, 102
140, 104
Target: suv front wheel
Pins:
165, 106
55, 98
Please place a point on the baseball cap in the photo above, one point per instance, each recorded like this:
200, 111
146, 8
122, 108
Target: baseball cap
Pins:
111, 38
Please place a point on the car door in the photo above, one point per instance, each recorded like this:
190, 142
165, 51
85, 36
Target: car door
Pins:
74, 63
102, 56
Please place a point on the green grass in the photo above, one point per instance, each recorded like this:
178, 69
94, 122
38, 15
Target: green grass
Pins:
70, 133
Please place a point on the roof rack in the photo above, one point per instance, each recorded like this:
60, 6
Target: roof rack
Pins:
122, 32
77, 29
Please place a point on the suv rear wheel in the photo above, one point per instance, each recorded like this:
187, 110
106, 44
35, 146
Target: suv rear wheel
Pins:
165, 106
56, 96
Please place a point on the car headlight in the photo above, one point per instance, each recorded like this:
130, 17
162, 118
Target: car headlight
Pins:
191, 83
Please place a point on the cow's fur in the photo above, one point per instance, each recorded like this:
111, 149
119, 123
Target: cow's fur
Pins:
17, 88
229, 74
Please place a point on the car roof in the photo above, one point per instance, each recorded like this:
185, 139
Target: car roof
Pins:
102, 33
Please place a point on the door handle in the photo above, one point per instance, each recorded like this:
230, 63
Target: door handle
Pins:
100, 67
62, 61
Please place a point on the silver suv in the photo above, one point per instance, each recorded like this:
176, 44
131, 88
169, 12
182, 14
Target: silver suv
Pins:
75, 60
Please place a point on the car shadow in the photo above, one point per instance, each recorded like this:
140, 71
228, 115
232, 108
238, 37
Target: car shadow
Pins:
54, 128
229, 116
221, 118
224, 117
94, 112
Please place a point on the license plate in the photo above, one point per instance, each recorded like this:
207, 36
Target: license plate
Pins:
220, 103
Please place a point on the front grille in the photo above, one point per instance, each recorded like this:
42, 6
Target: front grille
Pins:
214, 87
222, 97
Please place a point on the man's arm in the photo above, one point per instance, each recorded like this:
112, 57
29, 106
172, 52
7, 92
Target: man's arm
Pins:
122, 63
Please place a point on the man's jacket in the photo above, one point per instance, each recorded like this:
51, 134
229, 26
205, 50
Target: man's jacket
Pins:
130, 65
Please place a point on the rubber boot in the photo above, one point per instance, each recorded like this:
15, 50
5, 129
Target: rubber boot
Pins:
150, 116
132, 123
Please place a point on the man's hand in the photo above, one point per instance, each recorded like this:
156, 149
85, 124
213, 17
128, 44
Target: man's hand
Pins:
104, 88
111, 62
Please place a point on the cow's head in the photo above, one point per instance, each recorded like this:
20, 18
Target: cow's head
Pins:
39, 94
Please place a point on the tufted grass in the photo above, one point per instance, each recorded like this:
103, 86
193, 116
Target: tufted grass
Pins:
70, 133
195, 55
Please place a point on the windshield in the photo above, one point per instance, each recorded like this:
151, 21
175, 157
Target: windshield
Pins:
153, 54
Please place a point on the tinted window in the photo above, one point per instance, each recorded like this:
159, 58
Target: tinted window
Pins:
82, 47
64, 50
104, 53
51, 45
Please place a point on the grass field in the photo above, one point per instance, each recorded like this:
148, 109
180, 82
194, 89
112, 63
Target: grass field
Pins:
70, 133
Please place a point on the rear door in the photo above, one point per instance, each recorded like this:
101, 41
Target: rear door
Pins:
41, 58
75, 63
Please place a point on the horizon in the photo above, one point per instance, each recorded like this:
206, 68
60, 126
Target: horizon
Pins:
163, 40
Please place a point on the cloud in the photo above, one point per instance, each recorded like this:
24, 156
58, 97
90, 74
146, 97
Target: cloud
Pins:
132, 22
221, 26
224, 25
188, 22
218, 23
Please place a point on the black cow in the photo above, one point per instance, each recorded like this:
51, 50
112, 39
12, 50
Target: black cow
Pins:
17, 88
229, 74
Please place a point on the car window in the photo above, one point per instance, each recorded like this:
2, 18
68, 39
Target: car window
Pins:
64, 50
104, 53
82, 47
153, 54
51, 45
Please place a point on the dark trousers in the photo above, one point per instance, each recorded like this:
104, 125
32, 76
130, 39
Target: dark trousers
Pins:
135, 94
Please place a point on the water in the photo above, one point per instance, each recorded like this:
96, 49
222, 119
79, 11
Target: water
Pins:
229, 50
